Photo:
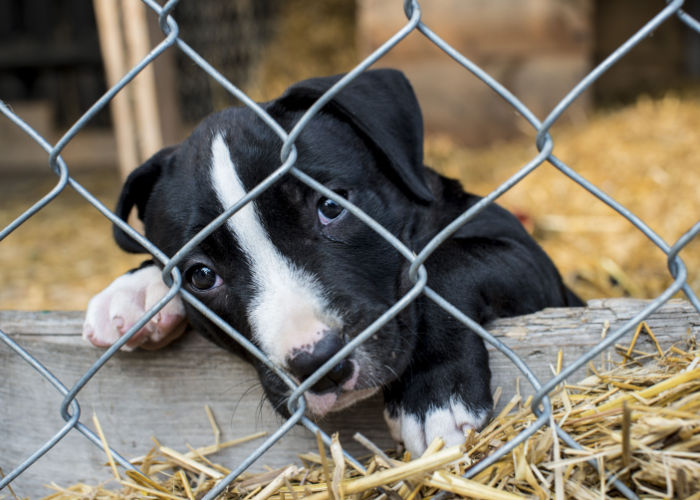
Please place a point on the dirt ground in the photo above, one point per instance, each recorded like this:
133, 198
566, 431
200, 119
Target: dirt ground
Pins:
646, 156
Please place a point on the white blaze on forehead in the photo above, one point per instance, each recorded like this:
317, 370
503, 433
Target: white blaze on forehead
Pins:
288, 310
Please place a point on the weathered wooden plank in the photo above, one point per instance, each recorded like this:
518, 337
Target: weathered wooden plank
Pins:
142, 394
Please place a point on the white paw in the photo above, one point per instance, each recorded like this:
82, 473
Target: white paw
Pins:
451, 423
118, 307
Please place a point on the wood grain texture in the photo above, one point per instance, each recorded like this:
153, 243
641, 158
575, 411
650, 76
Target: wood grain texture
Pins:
142, 394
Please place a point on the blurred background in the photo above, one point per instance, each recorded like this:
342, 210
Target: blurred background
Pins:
635, 133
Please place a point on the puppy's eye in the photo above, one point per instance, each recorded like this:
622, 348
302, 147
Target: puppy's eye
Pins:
328, 210
202, 278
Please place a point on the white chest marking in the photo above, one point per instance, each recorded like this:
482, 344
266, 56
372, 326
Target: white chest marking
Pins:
288, 310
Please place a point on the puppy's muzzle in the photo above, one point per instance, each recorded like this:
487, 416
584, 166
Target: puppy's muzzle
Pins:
304, 362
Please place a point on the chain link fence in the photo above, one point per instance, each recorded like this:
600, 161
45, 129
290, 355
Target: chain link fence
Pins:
70, 409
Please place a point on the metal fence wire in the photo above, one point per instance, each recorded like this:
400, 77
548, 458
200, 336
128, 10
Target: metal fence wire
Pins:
70, 409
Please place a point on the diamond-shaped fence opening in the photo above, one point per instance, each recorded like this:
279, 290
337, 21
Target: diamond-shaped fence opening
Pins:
70, 409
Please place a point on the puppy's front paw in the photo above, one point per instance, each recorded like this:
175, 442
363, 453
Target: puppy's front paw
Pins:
450, 422
113, 311
442, 399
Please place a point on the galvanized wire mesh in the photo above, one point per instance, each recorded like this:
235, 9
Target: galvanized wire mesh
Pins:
70, 408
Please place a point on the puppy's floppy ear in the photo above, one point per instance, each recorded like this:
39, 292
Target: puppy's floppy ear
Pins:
136, 192
383, 108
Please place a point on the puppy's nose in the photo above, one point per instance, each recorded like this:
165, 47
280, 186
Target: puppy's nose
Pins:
304, 363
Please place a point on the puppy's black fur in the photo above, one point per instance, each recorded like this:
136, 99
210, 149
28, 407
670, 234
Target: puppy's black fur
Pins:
367, 143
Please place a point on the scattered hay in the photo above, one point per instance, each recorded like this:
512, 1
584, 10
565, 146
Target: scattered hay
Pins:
640, 420
644, 155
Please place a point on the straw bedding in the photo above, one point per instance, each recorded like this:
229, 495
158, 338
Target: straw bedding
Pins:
638, 417
644, 155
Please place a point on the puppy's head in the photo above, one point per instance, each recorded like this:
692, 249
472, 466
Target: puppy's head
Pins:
294, 271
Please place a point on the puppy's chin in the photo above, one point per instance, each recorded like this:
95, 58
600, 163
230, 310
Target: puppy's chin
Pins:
319, 405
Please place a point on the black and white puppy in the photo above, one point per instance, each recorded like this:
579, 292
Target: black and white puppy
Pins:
300, 276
